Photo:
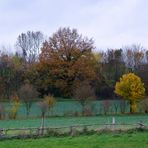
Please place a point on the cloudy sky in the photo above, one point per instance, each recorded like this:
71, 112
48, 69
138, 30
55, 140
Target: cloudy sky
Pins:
111, 23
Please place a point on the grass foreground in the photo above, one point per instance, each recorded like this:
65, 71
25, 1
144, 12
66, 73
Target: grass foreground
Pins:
106, 140
69, 121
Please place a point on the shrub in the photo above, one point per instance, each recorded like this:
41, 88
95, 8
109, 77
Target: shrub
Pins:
116, 106
27, 93
122, 106
50, 100
87, 111
15, 103
44, 108
106, 106
144, 105
84, 93
2, 112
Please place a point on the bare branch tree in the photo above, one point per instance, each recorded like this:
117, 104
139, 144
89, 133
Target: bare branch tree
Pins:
30, 44
27, 93
83, 93
134, 56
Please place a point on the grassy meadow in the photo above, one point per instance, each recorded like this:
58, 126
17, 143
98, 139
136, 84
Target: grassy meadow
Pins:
122, 140
69, 121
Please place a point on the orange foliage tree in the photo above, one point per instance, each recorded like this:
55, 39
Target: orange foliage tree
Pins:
66, 59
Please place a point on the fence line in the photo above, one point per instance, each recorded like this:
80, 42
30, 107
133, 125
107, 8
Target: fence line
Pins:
71, 130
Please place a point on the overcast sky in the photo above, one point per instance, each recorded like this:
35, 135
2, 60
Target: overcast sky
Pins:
112, 23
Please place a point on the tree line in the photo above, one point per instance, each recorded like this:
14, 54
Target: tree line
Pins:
67, 64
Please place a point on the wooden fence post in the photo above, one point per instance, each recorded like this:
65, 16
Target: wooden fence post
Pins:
113, 123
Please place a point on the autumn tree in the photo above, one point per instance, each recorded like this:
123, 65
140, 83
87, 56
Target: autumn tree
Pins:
112, 67
18, 72
67, 59
5, 76
133, 57
50, 100
142, 71
130, 88
15, 103
11, 74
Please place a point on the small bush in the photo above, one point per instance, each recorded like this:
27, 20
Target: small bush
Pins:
27, 93
87, 111
84, 93
50, 101
76, 114
2, 112
15, 103
144, 105
106, 106
122, 106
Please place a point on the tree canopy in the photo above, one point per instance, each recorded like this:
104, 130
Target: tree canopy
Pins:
67, 59
130, 87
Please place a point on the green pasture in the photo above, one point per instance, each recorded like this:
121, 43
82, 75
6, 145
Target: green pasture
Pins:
126, 140
70, 108
69, 121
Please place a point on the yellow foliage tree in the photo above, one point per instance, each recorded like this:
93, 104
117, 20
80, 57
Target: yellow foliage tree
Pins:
50, 101
131, 88
15, 103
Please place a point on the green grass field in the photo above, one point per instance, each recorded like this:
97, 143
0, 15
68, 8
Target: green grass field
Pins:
132, 140
68, 121
69, 108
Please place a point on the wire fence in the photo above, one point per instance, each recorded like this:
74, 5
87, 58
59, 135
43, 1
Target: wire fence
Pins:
10, 133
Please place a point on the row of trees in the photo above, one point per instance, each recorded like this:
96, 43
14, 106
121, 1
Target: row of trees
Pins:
130, 87
61, 64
